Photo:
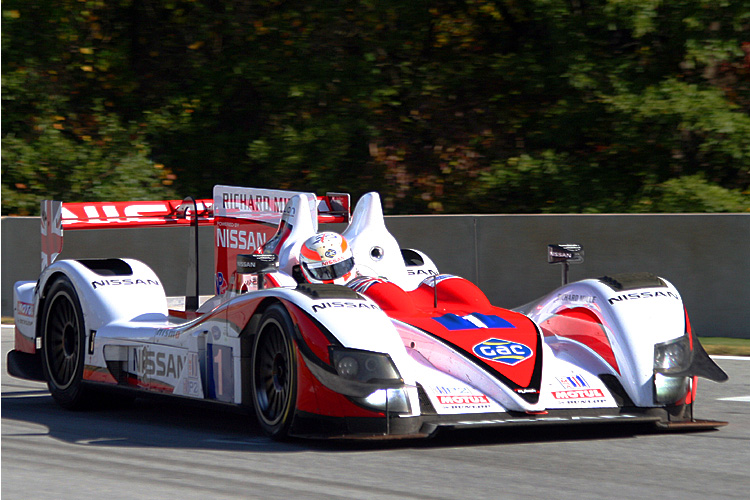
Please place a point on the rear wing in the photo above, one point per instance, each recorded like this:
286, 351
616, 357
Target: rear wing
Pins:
235, 213
57, 216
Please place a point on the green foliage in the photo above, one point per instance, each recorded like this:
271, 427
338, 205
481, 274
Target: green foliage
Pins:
58, 164
61, 138
691, 193
442, 106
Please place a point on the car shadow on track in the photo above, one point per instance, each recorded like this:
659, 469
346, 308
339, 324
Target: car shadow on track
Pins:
139, 423
173, 424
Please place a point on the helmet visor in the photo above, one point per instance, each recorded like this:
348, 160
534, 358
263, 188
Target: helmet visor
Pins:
332, 272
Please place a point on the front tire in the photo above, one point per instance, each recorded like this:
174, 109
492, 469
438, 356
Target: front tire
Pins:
274, 372
63, 345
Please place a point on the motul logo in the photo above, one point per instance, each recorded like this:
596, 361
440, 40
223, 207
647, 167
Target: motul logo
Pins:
25, 309
580, 394
463, 400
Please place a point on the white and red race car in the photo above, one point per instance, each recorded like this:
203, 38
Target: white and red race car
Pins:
401, 351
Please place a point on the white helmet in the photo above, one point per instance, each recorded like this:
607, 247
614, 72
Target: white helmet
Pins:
327, 258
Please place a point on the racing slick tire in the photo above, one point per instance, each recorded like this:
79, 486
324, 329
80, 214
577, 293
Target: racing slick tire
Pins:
274, 372
63, 345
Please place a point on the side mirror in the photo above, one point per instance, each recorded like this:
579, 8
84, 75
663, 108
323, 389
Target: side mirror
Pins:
565, 254
258, 264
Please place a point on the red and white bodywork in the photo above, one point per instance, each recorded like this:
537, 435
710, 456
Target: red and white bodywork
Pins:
402, 350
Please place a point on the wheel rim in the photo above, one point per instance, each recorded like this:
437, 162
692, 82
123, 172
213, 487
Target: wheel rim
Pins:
62, 341
272, 374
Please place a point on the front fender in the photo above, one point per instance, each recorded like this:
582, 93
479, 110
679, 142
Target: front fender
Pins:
352, 319
634, 312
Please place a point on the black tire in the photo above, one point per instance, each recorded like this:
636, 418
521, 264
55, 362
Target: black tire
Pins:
274, 372
64, 345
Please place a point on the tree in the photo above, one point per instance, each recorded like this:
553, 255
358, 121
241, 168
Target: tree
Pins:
442, 106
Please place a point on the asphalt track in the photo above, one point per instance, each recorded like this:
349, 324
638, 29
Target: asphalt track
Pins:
159, 449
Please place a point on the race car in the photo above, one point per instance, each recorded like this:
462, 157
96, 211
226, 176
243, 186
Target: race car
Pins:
400, 350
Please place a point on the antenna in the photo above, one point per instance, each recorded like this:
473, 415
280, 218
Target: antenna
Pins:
434, 288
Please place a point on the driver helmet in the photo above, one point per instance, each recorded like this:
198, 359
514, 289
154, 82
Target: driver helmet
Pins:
327, 258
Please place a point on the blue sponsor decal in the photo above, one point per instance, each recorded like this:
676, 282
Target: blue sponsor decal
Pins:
493, 321
221, 284
472, 321
502, 351
574, 382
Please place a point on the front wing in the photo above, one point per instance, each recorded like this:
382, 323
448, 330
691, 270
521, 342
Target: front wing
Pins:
426, 425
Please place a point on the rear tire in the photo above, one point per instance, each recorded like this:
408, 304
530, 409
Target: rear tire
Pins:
63, 345
274, 372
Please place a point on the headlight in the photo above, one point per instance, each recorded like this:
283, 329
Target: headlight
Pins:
671, 362
672, 357
368, 378
364, 366
371, 379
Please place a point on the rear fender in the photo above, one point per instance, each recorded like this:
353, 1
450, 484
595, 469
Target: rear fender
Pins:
109, 290
24, 315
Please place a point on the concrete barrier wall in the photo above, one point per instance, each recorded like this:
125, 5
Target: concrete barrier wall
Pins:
703, 255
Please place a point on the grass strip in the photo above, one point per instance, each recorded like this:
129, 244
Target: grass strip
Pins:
726, 346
